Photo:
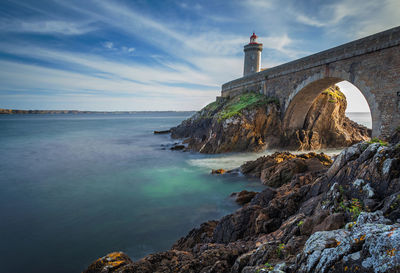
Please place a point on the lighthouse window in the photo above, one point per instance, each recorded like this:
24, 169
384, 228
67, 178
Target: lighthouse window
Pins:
253, 57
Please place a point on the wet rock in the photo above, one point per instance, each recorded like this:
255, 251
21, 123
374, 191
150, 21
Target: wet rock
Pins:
264, 197
203, 234
162, 132
177, 147
218, 171
210, 258
279, 168
243, 197
236, 226
279, 174
116, 262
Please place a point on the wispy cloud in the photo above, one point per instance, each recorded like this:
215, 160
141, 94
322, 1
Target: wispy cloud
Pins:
282, 44
259, 4
195, 6
128, 49
46, 27
176, 57
353, 18
109, 45
301, 18
71, 84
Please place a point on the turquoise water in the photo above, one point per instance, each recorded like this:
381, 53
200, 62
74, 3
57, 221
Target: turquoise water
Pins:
76, 187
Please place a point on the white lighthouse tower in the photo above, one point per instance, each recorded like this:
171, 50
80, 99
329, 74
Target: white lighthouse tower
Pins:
252, 56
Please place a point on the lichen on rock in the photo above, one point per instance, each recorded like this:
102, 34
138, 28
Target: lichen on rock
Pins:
371, 245
115, 262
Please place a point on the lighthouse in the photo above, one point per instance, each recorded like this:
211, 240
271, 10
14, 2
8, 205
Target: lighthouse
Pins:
252, 56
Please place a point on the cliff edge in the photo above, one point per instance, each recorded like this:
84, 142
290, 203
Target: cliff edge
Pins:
252, 122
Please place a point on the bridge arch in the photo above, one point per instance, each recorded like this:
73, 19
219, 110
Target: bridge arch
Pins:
301, 98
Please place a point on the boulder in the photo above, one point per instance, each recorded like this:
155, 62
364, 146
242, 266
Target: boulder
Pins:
162, 132
177, 147
243, 197
371, 245
279, 168
218, 171
116, 262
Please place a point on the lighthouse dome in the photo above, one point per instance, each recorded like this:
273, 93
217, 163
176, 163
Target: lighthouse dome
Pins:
253, 39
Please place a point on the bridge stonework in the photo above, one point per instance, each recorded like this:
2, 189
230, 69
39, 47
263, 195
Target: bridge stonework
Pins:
372, 64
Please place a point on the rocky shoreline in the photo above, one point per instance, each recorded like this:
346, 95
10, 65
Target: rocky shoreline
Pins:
315, 215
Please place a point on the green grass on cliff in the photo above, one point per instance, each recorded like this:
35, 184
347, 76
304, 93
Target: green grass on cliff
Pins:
212, 107
334, 93
236, 105
227, 108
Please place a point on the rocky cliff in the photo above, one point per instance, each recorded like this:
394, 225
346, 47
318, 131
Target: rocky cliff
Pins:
314, 215
326, 125
251, 122
246, 122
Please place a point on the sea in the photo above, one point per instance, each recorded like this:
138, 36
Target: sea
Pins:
74, 187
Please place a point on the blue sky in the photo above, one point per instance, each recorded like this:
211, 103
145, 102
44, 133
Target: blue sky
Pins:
161, 55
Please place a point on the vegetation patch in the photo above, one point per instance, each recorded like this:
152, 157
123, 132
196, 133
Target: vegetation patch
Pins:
279, 249
265, 268
212, 106
334, 93
355, 208
245, 101
227, 108
377, 140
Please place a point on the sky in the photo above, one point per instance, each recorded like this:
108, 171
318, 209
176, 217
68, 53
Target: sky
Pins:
162, 55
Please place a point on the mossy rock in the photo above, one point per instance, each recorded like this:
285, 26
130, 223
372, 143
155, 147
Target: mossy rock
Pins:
334, 93
227, 108
236, 105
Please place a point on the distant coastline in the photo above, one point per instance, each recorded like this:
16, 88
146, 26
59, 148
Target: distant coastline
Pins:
16, 111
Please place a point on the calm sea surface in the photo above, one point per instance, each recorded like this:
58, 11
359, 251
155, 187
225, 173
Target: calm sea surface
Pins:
76, 187
361, 117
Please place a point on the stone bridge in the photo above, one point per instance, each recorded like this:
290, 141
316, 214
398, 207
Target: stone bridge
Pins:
372, 64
